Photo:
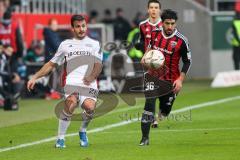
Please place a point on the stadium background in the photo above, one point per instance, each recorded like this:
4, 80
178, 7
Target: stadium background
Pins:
208, 133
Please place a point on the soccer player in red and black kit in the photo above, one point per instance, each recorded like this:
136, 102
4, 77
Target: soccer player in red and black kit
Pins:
174, 46
146, 27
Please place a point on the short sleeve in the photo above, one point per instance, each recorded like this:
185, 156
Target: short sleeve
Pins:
98, 54
58, 58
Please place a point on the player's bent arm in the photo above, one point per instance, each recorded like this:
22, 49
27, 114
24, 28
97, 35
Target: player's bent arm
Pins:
97, 69
186, 57
45, 70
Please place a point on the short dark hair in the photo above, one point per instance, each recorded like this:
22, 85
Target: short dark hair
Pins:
7, 15
107, 12
169, 14
77, 17
119, 10
154, 1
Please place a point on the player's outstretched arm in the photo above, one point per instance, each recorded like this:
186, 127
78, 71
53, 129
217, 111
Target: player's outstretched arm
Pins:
47, 68
97, 69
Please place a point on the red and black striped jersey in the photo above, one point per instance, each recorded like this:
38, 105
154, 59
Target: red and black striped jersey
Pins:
146, 27
174, 48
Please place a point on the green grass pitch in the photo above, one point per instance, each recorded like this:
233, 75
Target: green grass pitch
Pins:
208, 133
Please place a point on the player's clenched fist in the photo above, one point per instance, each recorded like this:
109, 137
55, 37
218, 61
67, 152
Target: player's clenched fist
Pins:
31, 84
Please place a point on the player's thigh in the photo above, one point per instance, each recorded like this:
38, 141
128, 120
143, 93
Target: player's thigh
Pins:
71, 102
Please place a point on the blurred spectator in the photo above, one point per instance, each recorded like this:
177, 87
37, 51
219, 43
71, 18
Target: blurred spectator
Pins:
121, 26
35, 53
237, 6
133, 37
107, 19
12, 83
5, 6
139, 17
236, 41
10, 34
93, 18
51, 38
52, 41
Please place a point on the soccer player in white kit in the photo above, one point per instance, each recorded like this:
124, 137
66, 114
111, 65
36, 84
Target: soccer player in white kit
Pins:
82, 60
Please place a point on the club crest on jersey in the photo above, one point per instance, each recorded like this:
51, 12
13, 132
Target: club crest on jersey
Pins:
89, 45
147, 30
173, 44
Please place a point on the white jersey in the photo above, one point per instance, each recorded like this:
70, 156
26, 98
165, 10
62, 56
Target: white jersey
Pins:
78, 58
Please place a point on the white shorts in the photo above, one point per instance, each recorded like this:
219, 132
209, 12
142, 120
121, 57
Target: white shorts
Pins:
81, 99
81, 93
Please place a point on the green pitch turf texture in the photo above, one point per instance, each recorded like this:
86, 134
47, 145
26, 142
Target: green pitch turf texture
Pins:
208, 133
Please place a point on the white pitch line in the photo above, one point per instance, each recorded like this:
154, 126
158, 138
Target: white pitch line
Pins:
176, 130
201, 105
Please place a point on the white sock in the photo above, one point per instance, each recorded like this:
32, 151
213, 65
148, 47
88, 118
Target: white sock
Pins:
86, 120
63, 124
84, 126
62, 128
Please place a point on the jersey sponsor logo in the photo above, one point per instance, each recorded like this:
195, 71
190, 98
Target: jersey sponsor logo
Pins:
163, 50
79, 53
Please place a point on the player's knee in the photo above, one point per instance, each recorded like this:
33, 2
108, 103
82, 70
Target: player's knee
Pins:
89, 104
147, 117
66, 116
70, 104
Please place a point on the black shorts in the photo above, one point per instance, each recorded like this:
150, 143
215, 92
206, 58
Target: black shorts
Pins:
158, 89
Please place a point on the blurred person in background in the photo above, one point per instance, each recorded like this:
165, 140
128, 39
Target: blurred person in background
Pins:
35, 53
121, 26
10, 34
51, 38
93, 18
5, 6
11, 82
52, 41
133, 38
236, 41
107, 19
